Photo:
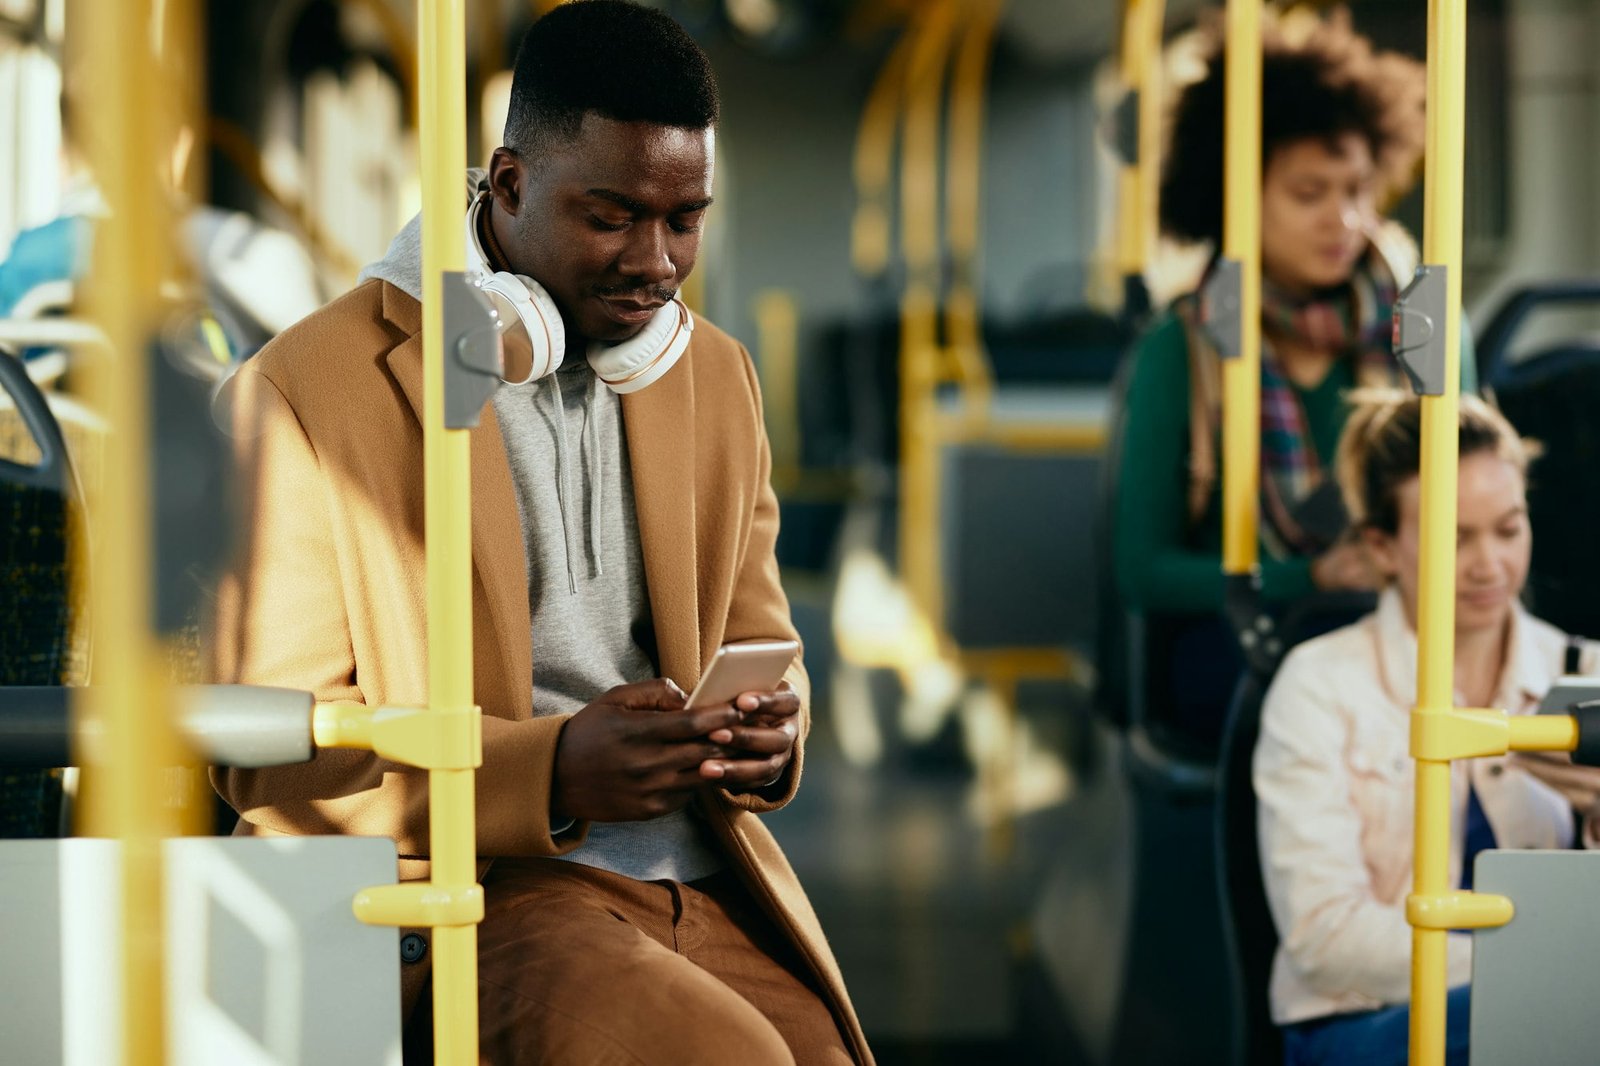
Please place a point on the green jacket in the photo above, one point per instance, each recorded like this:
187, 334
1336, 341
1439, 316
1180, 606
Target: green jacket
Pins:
1163, 563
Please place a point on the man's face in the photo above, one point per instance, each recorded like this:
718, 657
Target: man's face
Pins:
610, 223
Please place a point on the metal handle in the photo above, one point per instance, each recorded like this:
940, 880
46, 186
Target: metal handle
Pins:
1503, 327
225, 725
52, 471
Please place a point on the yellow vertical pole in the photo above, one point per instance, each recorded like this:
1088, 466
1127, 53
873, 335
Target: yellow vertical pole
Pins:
778, 326
441, 29
1139, 179
920, 354
1151, 88
964, 198
1241, 241
123, 788
1441, 246
872, 163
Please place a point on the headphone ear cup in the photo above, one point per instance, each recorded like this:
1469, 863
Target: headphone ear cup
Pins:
643, 359
532, 334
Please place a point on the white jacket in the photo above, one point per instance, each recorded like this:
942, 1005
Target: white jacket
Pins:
1334, 785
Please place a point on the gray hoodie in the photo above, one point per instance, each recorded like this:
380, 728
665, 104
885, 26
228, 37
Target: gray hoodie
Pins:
592, 628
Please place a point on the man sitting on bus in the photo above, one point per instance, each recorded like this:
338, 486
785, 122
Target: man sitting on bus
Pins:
637, 910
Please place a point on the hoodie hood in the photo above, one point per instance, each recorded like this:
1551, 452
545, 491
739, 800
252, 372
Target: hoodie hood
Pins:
401, 265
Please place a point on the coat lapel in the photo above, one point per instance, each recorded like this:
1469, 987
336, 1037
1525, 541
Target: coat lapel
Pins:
499, 563
659, 422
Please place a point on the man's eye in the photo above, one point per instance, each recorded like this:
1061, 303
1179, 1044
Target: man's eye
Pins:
607, 226
685, 225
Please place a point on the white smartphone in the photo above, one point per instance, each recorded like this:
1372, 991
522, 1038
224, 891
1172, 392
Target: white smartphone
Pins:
753, 666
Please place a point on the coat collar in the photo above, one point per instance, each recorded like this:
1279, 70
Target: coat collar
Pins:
499, 563
1523, 674
659, 425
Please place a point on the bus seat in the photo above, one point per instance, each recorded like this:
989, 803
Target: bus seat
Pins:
35, 616
266, 965
1533, 979
1247, 923
1033, 593
1551, 396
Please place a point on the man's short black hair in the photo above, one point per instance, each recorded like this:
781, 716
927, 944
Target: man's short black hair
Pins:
621, 60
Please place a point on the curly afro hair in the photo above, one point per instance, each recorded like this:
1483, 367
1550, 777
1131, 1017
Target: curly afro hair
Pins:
619, 59
1322, 83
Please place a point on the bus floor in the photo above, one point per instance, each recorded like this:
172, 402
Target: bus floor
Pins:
967, 941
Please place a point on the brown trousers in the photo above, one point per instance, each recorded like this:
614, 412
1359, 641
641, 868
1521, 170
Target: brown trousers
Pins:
581, 967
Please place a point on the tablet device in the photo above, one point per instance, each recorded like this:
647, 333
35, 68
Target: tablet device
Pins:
1567, 690
753, 666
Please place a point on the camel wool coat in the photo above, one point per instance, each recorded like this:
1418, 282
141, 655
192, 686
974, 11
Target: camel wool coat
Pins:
328, 592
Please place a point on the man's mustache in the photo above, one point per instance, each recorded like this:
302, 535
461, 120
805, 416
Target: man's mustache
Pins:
648, 294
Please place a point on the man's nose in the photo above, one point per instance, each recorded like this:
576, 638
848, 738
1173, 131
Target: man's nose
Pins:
646, 257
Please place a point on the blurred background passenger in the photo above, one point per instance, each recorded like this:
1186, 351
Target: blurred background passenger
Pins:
1342, 130
1333, 773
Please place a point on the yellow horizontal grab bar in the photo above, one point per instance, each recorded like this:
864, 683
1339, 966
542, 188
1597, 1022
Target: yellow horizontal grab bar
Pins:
420, 903
1459, 910
447, 739
342, 725
1457, 733
1544, 732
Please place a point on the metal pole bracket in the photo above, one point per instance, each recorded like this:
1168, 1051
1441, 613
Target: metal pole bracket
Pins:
1419, 330
1222, 307
473, 362
1123, 130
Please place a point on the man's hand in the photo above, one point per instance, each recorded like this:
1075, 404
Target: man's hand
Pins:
636, 753
762, 743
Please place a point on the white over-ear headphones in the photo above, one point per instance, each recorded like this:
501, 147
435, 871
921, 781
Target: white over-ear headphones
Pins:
533, 335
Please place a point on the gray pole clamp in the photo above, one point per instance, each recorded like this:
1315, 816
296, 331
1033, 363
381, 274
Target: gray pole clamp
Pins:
1222, 307
473, 362
1419, 325
1125, 128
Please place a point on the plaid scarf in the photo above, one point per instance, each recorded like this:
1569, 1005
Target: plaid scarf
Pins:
1353, 321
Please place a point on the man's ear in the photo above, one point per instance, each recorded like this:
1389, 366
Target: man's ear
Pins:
1381, 547
506, 177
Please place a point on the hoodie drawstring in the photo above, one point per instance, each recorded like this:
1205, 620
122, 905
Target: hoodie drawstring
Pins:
563, 488
589, 455
591, 426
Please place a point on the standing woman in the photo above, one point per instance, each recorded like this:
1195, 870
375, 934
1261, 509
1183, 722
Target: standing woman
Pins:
1333, 774
1342, 131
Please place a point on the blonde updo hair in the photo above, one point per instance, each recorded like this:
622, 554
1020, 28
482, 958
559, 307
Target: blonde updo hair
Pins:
1381, 449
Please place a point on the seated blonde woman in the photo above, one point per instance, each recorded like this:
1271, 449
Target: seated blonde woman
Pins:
1333, 772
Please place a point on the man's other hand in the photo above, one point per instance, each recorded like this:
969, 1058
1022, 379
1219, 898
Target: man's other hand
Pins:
762, 743
636, 753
